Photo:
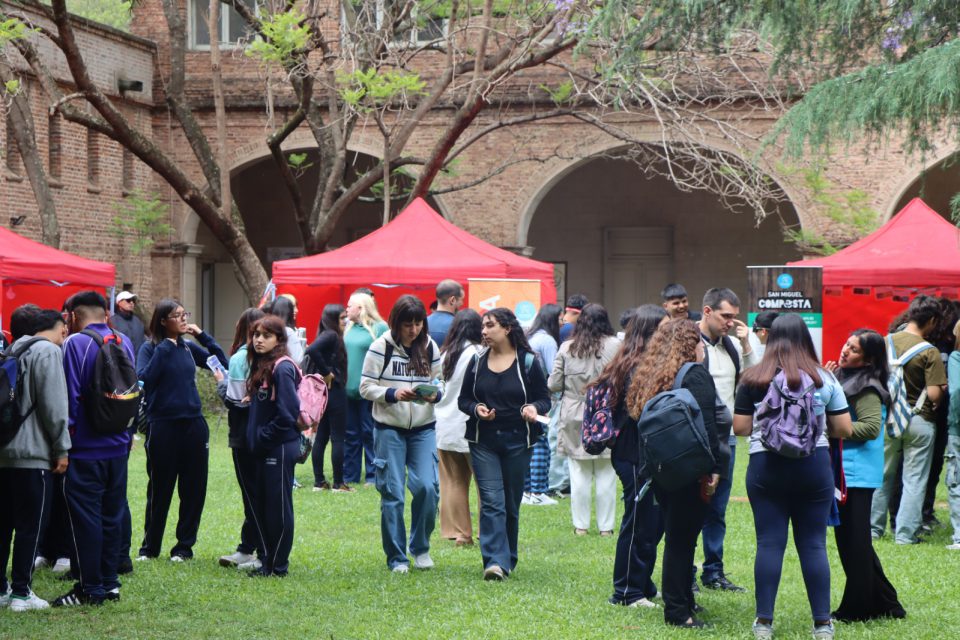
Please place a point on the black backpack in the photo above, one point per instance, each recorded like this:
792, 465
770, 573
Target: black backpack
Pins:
11, 379
112, 400
673, 437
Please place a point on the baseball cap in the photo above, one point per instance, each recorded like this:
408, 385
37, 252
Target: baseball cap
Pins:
126, 295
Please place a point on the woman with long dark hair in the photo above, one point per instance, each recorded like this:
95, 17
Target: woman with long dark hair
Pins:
461, 345
862, 371
579, 361
285, 308
234, 393
273, 438
503, 392
642, 525
178, 442
544, 338
328, 357
675, 344
785, 490
398, 375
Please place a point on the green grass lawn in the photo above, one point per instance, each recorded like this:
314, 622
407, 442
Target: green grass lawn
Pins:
339, 586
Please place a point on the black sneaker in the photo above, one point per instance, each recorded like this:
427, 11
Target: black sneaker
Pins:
723, 584
75, 598
125, 566
113, 595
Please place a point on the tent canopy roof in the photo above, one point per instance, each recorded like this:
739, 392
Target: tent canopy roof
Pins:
917, 247
418, 247
25, 259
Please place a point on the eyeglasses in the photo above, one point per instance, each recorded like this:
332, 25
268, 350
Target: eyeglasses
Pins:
176, 316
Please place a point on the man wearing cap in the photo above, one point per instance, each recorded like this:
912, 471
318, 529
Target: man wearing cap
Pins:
126, 321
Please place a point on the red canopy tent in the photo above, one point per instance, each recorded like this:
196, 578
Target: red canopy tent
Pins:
33, 272
873, 280
411, 254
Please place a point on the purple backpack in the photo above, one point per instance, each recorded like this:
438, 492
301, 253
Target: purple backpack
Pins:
788, 420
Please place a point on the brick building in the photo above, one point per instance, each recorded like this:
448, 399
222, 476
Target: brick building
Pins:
615, 234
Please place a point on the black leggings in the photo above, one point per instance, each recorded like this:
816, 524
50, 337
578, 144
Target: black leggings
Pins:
332, 429
785, 491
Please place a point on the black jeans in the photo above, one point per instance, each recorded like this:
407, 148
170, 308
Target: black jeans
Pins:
640, 531
867, 594
683, 514
332, 429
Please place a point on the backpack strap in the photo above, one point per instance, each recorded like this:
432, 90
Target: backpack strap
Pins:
387, 356
678, 381
93, 334
528, 360
907, 355
734, 355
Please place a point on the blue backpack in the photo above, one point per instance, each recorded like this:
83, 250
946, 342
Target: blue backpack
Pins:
12, 415
673, 438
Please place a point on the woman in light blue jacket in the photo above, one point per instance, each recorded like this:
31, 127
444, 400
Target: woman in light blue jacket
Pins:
862, 370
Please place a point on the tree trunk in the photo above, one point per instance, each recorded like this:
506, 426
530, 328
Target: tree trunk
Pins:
25, 135
220, 111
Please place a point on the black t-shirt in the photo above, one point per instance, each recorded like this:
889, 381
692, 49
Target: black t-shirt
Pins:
503, 392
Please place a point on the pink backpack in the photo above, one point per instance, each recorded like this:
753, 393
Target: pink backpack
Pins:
313, 395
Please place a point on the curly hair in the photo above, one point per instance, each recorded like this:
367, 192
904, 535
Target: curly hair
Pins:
672, 346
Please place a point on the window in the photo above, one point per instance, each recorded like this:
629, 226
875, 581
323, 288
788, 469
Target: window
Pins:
12, 150
421, 30
126, 170
93, 158
233, 28
55, 145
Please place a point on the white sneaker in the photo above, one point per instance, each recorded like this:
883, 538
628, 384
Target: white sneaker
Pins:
235, 559
143, 558
252, 564
176, 558
643, 603
62, 565
543, 500
5, 598
954, 547
18, 603
40, 562
400, 568
527, 498
423, 561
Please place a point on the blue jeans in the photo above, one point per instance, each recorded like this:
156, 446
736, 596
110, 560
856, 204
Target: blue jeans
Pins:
558, 476
406, 459
715, 525
915, 447
798, 492
952, 478
640, 533
500, 460
358, 441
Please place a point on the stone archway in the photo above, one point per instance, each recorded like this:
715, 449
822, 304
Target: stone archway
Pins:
937, 183
209, 284
620, 235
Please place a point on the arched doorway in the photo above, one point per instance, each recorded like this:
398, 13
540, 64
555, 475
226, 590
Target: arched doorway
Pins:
937, 185
619, 236
210, 285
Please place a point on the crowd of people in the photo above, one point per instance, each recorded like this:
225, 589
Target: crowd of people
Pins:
428, 402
